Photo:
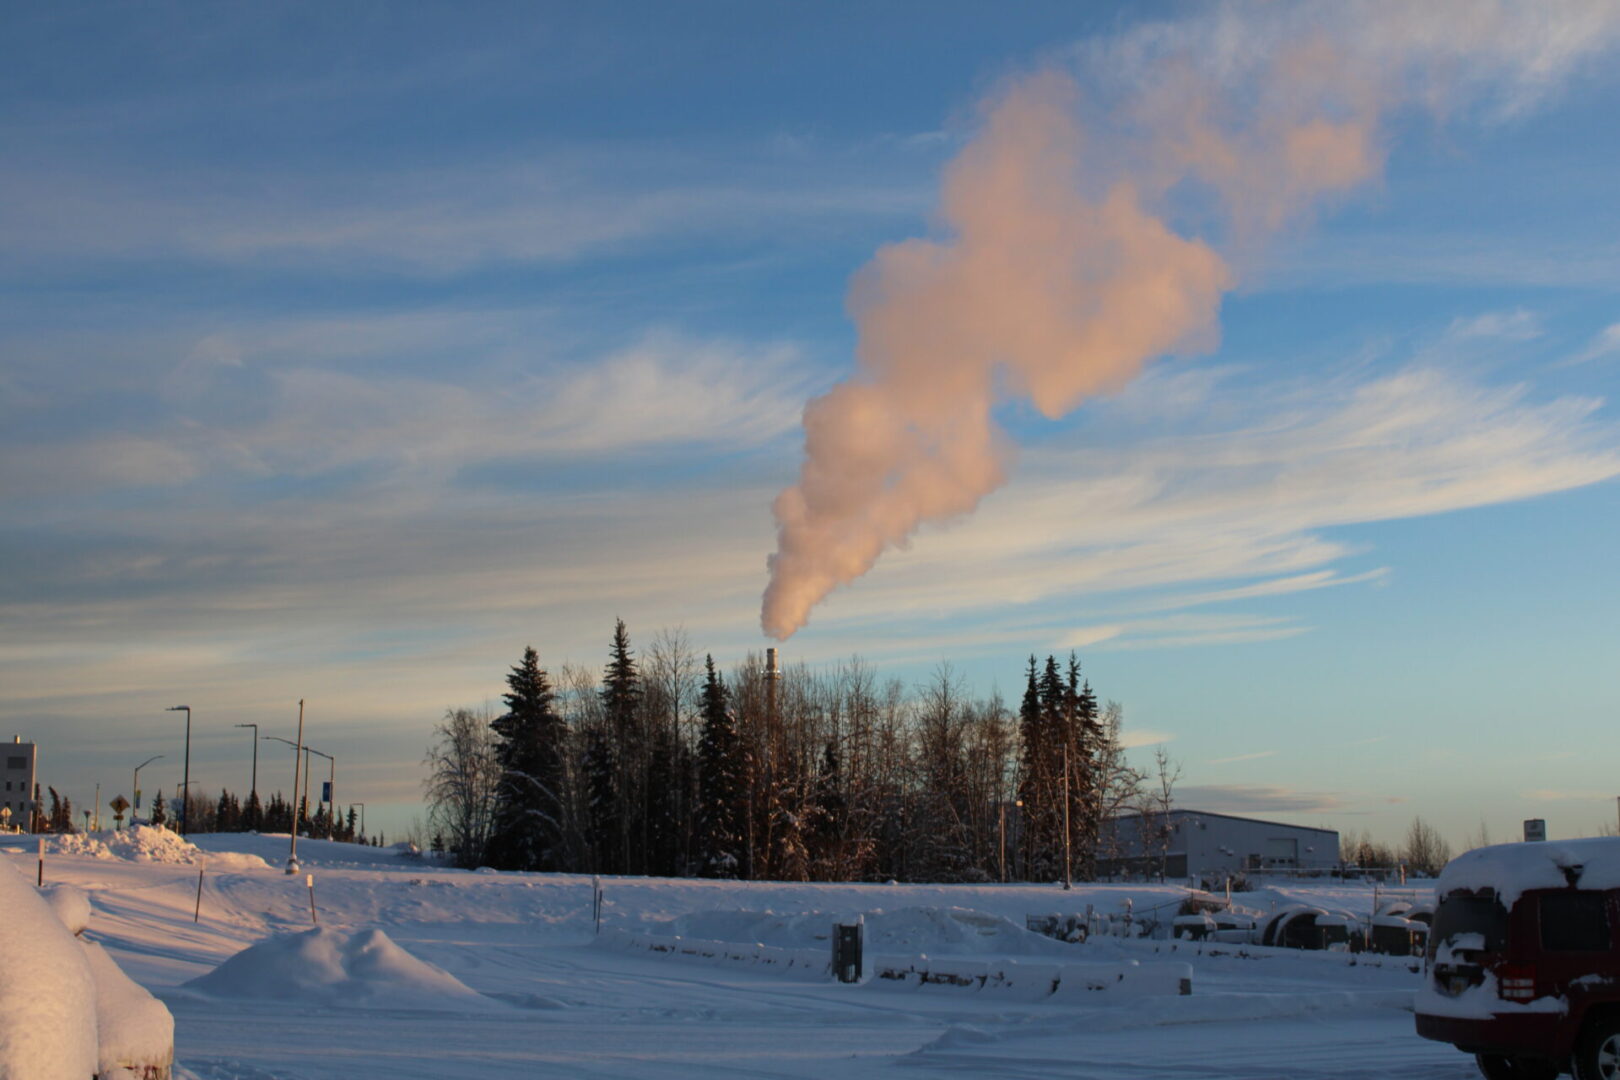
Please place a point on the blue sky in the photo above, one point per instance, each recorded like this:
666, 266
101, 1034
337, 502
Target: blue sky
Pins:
345, 350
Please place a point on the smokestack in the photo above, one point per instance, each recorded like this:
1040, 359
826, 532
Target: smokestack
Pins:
772, 672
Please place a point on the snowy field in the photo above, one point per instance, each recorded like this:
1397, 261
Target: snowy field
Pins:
422, 971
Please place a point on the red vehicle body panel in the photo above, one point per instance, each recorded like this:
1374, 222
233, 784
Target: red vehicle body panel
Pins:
1584, 978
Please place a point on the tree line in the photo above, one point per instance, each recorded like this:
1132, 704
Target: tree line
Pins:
228, 813
665, 765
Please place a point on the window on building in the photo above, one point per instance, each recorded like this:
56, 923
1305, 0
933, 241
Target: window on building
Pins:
16, 763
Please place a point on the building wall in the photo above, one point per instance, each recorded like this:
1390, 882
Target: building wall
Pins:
18, 761
1210, 845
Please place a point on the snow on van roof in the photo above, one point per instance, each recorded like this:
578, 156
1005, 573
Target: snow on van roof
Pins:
1513, 869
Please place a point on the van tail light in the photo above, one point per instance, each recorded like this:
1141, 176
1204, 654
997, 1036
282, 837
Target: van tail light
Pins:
1516, 982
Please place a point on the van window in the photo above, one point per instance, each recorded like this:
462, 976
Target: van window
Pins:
1461, 913
1574, 922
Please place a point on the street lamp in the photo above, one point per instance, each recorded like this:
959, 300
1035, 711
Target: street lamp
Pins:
187, 780
331, 787
253, 789
298, 754
136, 786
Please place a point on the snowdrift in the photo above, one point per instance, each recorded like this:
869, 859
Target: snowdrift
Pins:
47, 994
66, 1009
331, 967
147, 844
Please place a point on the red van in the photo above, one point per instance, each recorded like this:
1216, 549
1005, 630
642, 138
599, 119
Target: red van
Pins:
1523, 966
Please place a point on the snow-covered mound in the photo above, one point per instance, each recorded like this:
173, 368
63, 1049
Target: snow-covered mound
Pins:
47, 994
335, 968
70, 904
146, 843
945, 930
135, 1029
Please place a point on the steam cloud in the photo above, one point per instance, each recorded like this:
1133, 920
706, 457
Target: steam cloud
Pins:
1061, 273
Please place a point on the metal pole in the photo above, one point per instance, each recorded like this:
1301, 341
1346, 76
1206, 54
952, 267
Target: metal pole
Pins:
331, 783
298, 754
137, 783
185, 799
253, 788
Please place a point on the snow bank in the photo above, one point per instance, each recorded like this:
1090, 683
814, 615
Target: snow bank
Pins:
70, 905
136, 1030
147, 844
1513, 869
47, 998
328, 966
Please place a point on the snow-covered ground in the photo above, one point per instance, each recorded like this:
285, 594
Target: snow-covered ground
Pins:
423, 971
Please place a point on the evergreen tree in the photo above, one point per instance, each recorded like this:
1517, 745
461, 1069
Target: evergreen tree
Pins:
227, 815
61, 813
621, 696
527, 832
1035, 781
252, 814
720, 781
604, 829
663, 791
158, 807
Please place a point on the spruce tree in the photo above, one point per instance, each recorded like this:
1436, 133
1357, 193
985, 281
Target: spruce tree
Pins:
621, 695
158, 807
1035, 780
720, 781
602, 821
527, 830
253, 813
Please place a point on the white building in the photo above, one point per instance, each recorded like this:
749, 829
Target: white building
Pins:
1210, 846
18, 761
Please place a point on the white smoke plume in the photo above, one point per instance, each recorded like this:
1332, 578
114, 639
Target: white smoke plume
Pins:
1067, 261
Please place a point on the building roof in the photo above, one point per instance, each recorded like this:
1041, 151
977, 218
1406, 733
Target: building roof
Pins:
1180, 812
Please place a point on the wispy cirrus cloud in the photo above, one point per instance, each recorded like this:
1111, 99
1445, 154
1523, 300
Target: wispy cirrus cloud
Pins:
548, 207
1252, 498
1604, 345
1517, 324
664, 391
1256, 756
1258, 799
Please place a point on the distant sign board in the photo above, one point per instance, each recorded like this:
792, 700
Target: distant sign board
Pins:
326, 791
1535, 829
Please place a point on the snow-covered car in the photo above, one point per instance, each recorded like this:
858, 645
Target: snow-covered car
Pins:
1523, 964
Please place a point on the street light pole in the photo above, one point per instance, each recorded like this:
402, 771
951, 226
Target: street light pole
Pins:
298, 754
362, 807
331, 788
253, 789
185, 799
136, 786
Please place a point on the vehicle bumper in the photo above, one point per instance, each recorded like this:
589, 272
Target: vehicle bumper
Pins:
1512, 1034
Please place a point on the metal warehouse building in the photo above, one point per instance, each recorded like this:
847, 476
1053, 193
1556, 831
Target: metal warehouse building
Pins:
1210, 846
